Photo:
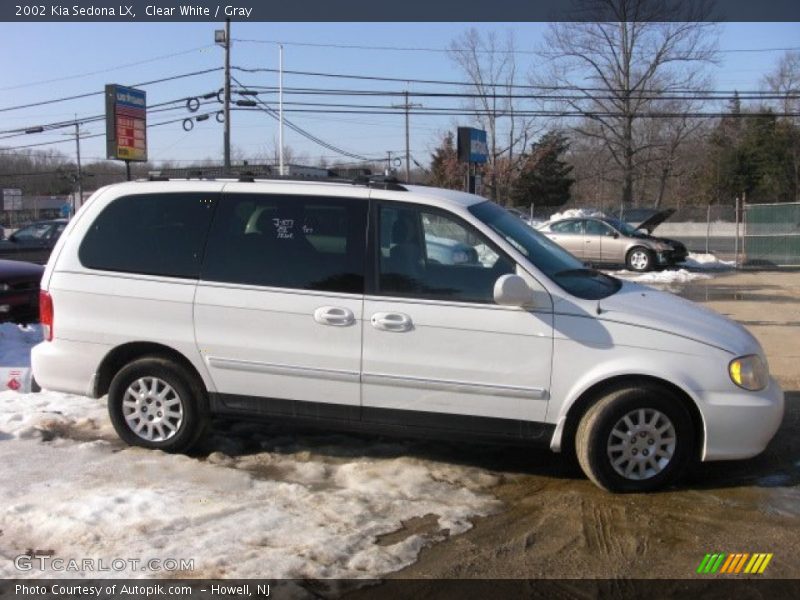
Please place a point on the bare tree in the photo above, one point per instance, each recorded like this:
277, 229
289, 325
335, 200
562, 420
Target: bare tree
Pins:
665, 137
490, 64
785, 81
614, 65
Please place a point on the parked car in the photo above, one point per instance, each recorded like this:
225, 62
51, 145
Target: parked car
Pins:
317, 302
610, 241
19, 291
33, 242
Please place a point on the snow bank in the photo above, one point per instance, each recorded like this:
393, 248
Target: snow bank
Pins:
667, 276
572, 213
707, 262
300, 507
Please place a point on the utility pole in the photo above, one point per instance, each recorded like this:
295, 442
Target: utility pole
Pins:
76, 203
227, 126
280, 109
407, 106
77, 197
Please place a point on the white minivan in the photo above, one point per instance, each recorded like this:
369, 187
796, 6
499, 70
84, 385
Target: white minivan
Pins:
376, 306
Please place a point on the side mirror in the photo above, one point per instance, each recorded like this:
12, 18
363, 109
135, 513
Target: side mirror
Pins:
512, 290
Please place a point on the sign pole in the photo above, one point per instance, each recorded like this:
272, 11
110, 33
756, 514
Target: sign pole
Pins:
128, 170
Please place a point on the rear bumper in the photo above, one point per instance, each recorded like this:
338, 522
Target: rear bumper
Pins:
66, 366
742, 423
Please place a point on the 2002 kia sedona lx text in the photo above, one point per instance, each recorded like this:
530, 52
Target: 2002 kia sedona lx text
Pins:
387, 307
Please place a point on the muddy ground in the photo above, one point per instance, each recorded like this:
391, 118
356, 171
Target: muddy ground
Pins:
557, 524
553, 523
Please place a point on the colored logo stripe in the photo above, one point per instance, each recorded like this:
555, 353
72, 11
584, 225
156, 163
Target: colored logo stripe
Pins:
711, 563
734, 563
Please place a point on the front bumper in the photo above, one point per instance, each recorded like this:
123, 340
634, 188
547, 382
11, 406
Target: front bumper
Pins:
740, 424
19, 306
671, 257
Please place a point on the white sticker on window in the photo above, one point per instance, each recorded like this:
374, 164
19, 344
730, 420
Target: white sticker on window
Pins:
283, 228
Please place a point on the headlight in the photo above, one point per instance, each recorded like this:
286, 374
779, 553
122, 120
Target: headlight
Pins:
749, 372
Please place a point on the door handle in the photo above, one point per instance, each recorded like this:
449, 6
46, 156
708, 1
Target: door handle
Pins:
335, 316
386, 321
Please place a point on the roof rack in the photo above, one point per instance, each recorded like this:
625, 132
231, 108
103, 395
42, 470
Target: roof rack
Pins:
249, 176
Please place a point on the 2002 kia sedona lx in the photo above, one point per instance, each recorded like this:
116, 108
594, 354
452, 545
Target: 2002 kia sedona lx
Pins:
387, 307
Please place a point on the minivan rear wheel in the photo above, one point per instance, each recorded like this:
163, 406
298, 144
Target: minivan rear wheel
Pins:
635, 439
156, 403
640, 259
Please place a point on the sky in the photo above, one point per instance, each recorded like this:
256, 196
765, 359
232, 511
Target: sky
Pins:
44, 61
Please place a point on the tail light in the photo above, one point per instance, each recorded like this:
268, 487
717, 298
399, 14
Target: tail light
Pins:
46, 314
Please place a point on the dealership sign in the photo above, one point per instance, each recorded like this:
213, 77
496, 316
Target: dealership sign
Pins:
126, 123
472, 146
12, 199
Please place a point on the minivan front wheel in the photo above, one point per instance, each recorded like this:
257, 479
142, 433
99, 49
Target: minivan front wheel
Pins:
635, 439
640, 259
154, 402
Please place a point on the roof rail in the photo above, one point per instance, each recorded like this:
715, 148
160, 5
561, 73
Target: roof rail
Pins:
249, 176
384, 182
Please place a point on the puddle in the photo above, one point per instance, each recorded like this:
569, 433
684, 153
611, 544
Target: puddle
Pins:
425, 526
722, 293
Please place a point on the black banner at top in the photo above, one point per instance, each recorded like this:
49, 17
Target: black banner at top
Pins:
405, 10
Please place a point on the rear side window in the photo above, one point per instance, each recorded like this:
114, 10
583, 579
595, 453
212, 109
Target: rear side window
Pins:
573, 227
152, 234
299, 242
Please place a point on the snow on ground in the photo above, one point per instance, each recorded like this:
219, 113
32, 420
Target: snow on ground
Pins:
703, 261
691, 270
289, 506
667, 276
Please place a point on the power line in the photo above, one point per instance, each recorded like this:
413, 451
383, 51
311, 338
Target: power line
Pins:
90, 94
107, 70
95, 135
306, 134
358, 109
154, 108
503, 96
458, 49
485, 85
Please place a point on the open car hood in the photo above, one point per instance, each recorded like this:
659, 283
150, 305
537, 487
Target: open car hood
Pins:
650, 223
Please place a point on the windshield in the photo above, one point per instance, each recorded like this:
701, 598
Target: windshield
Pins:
551, 259
623, 227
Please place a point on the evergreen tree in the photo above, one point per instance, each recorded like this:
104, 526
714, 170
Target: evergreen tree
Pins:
756, 158
546, 178
446, 171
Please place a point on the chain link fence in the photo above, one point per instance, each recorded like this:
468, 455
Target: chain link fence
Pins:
771, 235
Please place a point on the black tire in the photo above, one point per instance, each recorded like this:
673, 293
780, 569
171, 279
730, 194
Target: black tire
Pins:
595, 443
189, 392
636, 256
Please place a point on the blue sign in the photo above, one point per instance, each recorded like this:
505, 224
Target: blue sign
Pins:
472, 145
130, 97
